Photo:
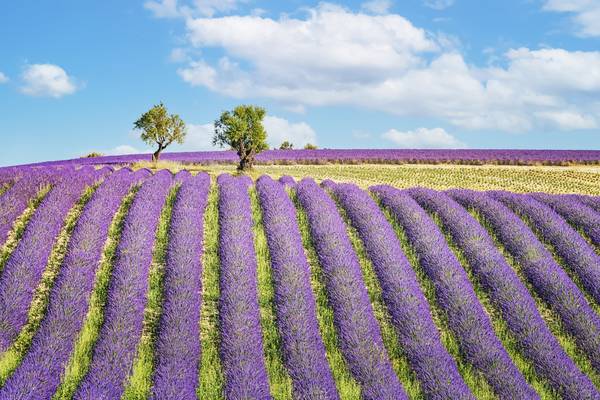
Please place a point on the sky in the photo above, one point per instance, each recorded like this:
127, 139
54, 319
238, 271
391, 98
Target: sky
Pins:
75, 75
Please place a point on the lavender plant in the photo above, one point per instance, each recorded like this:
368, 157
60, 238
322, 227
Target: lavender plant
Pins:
360, 336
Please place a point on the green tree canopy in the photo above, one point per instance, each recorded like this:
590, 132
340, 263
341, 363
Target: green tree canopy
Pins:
310, 146
286, 146
160, 128
243, 131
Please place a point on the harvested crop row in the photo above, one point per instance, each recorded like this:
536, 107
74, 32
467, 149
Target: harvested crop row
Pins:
360, 336
576, 213
466, 316
241, 338
303, 348
411, 316
178, 340
23, 270
39, 373
549, 280
124, 311
512, 297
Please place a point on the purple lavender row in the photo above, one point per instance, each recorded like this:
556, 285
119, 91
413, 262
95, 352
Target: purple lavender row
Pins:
454, 292
25, 266
121, 331
178, 340
590, 201
360, 337
513, 299
408, 307
303, 348
577, 254
548, 279
16, 199
287, 181
472, 156
576, 213
38, 376
239, 315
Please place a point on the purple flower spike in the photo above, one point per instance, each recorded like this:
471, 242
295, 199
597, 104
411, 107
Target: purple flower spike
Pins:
303, 348
359, 333
241, 337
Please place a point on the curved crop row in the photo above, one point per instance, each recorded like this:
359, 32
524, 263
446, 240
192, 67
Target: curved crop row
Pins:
407, 305
590, 201
287, 180
241, 338
567, 242
124, 311
549, 280
23, 270
360, 336
575, 212
511, 296
456, 296
178, 341
303, 348
38, 376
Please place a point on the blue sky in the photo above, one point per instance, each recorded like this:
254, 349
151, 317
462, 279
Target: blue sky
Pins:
74, 75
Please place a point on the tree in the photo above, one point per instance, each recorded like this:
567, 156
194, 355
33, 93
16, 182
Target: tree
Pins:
243, 131
160, 128
286, 146
310, 146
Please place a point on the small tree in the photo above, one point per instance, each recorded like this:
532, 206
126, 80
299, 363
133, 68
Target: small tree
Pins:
310, 146
243, 131
286, 146
160, 128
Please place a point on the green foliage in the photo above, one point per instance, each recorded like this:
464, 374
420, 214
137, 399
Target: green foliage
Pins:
286, 146
243, 131
93, 154
161, 128
310, 146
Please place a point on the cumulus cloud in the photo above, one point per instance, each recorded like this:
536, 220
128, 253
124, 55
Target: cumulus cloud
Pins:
377, 6
122, 150
198, 138
423, 138
586, 14
439, 4
3, 78
176, 9
280, 130
335, 56
47, 80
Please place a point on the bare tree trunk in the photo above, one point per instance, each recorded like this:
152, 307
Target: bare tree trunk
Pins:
156, 154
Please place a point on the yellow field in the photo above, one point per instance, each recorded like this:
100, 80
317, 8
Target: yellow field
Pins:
550, 179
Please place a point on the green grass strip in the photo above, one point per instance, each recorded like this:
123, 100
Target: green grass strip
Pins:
81, 358
211, 372
279, 378
473, 378
140, 380
399, 360
4, 187
11, 358
19, 226
552, 319
509, 342
346, 385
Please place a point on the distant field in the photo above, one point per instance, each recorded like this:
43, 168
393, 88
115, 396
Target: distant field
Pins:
555, 179
333, 281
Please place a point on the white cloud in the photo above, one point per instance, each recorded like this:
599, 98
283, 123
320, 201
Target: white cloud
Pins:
337, 57
198, 138
439, 4
47, 80
280, 130
176, 9
423, 138
3, 78
123, 149
586, 14
179, 55
377, 6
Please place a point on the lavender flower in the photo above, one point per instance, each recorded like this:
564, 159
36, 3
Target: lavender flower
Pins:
178, 340
241, 338
303, 348
124, 311
360, 336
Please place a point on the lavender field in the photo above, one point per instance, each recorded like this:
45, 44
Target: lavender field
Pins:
129, 283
